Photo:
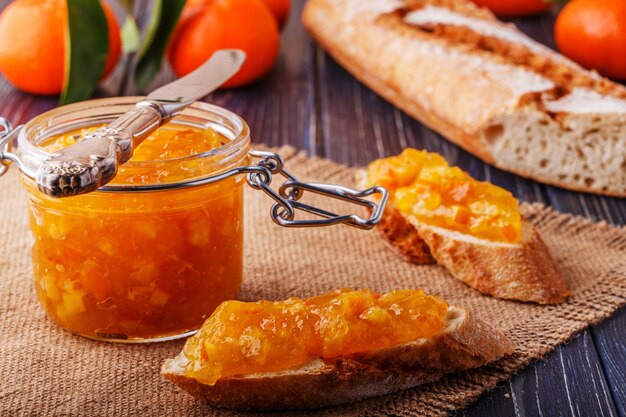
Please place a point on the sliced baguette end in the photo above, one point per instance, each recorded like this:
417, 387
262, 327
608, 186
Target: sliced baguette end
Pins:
507, 114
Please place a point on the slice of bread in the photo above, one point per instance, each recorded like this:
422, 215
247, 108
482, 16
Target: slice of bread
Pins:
464, 343
522, 271
484, 85
401, 235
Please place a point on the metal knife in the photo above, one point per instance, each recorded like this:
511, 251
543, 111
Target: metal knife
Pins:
93, 161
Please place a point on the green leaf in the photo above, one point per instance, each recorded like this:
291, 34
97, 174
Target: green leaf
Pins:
88, 43
131, 37
165, 15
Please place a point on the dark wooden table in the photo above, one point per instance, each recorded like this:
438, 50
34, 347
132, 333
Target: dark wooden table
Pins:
309, 102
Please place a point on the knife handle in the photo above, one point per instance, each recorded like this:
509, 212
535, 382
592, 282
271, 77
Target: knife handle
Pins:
131, 128
91, 163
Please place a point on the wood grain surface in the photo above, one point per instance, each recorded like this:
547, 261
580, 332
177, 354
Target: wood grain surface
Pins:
309, 102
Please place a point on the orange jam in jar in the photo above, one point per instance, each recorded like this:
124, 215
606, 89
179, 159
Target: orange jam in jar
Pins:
422, 184
244, 338
135, 265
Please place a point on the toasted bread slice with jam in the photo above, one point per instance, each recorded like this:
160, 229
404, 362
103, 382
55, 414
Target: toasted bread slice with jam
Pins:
464, 343
522, 271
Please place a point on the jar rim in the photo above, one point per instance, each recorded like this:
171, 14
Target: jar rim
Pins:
233, 127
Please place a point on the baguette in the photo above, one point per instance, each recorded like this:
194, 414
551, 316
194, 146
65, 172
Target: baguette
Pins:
483, 85
464, 343
522, 271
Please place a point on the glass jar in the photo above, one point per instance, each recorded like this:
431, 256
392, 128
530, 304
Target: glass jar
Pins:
149, 256
134, 265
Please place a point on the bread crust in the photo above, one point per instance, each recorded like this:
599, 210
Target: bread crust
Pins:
402, 237
465, 343
399, 234
388, 56
523, 272
362, 72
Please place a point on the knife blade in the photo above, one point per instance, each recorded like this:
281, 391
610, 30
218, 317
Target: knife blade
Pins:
197, 84
94, 160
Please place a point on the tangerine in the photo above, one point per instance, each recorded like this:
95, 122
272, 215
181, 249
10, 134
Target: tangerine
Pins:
206, 26
280, 9
593, 33
33, 44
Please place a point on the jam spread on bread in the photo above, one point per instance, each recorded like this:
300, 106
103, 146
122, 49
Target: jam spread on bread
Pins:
423, 185
245, 338
141, 265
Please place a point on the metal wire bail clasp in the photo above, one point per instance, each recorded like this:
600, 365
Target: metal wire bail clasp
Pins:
287, 198
7, 134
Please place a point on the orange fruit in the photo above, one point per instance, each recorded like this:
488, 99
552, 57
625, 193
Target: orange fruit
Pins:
511, 8
206, 26
593, 33
32, 44
280, 9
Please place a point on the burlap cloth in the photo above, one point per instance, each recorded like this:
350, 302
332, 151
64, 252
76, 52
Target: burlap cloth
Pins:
47, 371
